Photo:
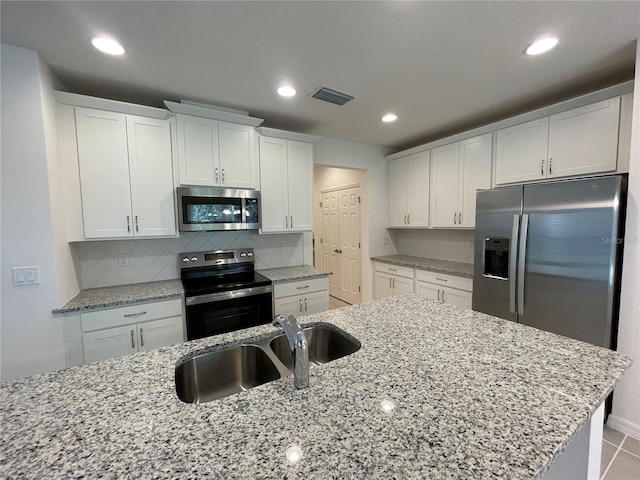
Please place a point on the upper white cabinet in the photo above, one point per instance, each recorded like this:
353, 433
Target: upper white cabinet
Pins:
126, 174
458, 170
580, 141
286, 183
215, 153
409, 191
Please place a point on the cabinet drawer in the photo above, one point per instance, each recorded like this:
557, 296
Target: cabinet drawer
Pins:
394, 270
445, 280
300, 288
130, 314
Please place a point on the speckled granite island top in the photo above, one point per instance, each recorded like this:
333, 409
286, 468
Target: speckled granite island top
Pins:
477, 397
122, 295
431, 264
291, 274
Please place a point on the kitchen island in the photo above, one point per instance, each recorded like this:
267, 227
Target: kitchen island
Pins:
475, 397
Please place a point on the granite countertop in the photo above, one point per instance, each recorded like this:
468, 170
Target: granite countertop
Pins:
291, 274
122, 295
477, 397
458, 269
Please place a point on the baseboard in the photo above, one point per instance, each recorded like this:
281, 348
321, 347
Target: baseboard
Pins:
624, 426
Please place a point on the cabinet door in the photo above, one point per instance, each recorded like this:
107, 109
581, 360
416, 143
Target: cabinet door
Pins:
159, 333
398, 191
459, 298
445, 166
418, 187
237, 164
428, 290
273, 184
401, 285
198, 160
584, 140
300, 186
289, 305
382, 285
151, 171
109, 343
521, 152
315, 302
104, 173
475, 174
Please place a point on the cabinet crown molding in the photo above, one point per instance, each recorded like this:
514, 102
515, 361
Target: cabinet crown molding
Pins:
212, 112
284, 134
78, 100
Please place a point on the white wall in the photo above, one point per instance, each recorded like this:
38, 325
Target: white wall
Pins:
27, 228
370, 159
625, 415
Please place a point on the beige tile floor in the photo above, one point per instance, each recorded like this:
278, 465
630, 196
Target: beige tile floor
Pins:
620, 456
337, 303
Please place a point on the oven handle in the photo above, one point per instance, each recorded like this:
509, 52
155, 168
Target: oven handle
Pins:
221, 296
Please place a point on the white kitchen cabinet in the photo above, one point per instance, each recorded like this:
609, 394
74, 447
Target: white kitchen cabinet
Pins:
580, 141
286, 177
302, 297
392, 280
444, 288
215, 153
126, 174
458, 170
135, 328
409, 191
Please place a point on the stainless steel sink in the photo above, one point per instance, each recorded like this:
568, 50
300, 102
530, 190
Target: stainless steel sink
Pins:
225, 372
221, 373
325, 345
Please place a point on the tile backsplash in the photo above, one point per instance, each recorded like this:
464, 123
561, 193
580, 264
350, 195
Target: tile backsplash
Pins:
452, 245
150, 260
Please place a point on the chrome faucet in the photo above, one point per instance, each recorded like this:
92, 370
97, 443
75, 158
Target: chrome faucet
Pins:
299, 348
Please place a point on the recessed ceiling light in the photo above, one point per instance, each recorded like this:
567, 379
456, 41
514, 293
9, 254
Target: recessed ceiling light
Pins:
541, 46
389, 117
286, 91
107, 45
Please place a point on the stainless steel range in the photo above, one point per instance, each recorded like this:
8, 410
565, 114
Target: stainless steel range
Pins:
223, 292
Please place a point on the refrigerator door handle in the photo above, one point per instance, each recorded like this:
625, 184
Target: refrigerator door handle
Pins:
513, 258
522, 251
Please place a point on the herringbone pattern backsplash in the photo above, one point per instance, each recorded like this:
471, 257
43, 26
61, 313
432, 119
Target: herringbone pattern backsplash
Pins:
151, 260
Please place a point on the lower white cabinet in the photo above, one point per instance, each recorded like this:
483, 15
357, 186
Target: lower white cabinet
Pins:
113, 332
392, 280
301, 298
444, 288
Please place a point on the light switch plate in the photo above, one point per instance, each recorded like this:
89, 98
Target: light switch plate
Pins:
23, 276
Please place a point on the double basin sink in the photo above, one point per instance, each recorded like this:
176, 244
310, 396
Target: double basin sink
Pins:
221, 373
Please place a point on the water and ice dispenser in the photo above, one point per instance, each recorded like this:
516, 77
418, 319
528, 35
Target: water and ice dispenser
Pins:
496, 257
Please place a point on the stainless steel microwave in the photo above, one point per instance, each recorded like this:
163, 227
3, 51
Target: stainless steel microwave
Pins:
213, 208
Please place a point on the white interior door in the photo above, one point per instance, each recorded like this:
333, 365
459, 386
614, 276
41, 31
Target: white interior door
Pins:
330, 229
350, 245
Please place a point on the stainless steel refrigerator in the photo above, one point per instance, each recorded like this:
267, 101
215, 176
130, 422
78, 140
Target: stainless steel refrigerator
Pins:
549, 256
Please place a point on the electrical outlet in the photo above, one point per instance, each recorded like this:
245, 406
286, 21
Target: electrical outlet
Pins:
123, 259
279, 247
386, 240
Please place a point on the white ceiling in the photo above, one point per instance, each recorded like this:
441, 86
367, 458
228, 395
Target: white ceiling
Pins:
442, 67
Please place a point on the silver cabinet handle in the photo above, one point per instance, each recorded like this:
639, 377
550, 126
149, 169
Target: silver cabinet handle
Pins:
300, 305
408, 219
443, 292
442, 279
390, 282
513, 257
286, 221
394, 283
524, 227
305, 304
223, 175
454, 219
131, 315
542, 167
393, 269
459, 218
302, 288
291, 221
137, 230
141, 339
438, 294
405, 219
217, 176
128, 223
133, 345
550, 165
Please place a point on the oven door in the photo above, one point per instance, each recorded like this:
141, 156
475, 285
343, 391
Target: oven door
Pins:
228, 311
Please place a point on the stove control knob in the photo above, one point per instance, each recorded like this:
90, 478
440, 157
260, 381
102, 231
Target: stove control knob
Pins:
185, 260
194, 259
249, 254
242, 254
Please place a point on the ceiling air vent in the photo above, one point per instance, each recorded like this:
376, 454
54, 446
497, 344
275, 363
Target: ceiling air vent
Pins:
331, 95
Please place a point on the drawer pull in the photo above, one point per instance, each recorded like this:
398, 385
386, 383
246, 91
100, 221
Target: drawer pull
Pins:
302, 288
131, 315
392, 269
442, 279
